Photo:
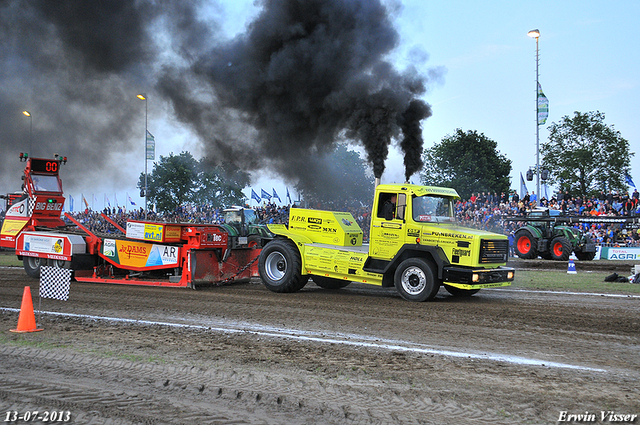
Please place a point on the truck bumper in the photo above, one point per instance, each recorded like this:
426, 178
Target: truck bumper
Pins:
478, 278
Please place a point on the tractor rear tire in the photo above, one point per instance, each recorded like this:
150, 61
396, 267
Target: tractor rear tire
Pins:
526, 245
560, 248
415, 280
330, 282
280, 267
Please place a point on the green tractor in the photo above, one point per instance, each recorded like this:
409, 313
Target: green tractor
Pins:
244, 228
546, 234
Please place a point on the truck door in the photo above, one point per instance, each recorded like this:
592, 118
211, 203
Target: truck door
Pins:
387, 223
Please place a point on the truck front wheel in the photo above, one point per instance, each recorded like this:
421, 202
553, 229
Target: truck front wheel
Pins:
415, 280
280, 267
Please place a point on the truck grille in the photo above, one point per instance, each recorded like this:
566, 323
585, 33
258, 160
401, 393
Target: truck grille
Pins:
494, 251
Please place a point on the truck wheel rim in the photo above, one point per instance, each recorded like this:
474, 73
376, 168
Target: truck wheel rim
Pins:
557, 249
34, 262
524, 245
413, 280
275, 266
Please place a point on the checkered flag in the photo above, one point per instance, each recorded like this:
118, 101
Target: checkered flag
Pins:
55, 283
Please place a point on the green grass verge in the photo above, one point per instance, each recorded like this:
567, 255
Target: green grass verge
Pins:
581, 282
7, 260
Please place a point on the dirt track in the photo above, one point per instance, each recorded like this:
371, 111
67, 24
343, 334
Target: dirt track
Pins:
241, 354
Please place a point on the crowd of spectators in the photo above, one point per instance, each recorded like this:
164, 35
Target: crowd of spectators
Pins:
488, 211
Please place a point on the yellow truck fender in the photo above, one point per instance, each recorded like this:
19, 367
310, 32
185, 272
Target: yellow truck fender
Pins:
280, 230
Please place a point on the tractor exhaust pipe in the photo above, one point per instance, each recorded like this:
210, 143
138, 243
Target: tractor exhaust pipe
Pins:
377, 182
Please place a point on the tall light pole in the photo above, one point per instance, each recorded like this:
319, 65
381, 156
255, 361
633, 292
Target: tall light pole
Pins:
146, 110
28, 114
536, 34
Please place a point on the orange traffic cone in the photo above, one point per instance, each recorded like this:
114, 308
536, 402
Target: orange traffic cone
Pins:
27, 319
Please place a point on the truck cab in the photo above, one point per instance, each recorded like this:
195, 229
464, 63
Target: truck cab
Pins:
414, 245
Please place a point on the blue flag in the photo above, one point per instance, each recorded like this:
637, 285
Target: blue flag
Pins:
627, 178
70, 203
255, 196
265, 194
275, 195
288, 196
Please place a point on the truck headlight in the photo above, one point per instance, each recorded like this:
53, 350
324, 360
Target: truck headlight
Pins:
475, 277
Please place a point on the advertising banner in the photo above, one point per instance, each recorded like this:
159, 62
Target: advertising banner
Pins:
621, 253
140, 255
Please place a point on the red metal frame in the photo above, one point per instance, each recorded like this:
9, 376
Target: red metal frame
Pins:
201, 251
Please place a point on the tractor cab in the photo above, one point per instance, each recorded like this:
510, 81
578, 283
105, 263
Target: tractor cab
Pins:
243, 225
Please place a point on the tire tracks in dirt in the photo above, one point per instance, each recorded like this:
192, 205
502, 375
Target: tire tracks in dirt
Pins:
145, 394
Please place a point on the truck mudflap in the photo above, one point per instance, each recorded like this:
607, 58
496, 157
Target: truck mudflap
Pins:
478, 278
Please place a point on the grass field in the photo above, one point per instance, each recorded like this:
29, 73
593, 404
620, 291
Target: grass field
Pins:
585, 281
9, 260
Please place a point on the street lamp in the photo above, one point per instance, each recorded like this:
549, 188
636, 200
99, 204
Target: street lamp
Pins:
28, 114
144, 97
536, 34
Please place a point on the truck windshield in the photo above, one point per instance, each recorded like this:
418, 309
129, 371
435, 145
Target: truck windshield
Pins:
432, 209
45, 183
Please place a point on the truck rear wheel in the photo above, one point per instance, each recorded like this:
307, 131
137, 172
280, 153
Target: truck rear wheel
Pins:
280, 267
415, 280
560, 248
32, 266
525, 245
329, 282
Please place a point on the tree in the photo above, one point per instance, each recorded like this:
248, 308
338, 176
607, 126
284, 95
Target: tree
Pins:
585, 156
173, 182
336, 180
179, 180
468, 162
221, 185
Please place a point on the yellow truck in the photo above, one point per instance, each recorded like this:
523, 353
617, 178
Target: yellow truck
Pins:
414, 245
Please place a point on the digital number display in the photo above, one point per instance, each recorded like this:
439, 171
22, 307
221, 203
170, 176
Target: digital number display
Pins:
44, 166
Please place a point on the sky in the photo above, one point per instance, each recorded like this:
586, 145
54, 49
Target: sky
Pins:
475, 58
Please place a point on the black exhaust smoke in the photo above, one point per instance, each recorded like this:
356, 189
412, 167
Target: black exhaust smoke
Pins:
304, 75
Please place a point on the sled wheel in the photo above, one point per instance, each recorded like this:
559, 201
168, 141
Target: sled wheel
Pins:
32, 266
